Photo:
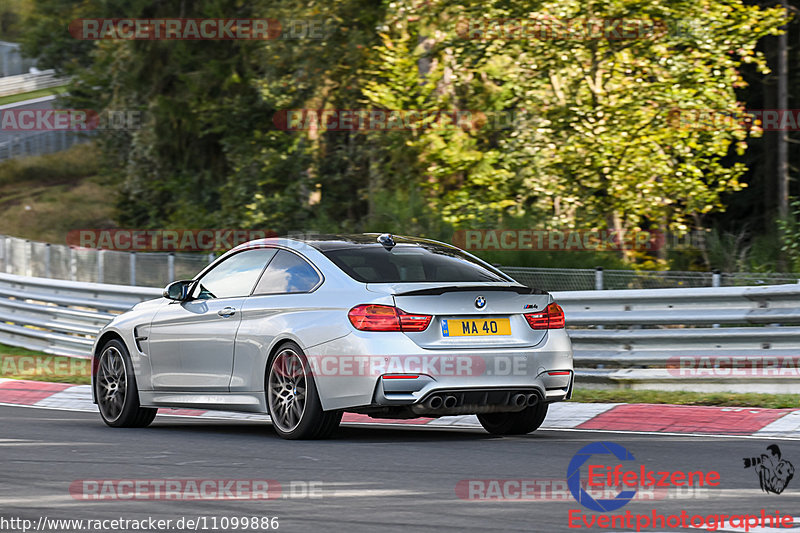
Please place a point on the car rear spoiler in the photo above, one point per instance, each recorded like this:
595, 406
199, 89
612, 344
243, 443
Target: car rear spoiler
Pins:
519, 289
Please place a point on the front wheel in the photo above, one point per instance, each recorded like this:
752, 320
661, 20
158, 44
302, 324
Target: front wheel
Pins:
292, 398
115, 389
519, 423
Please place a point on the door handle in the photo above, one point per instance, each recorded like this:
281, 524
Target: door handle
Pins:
226, 312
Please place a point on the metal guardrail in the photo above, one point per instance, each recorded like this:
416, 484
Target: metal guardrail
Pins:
636, 338
29, 143
61, 317
722, 305
624, 338
40, 143
156, 269
586, 279
60, 261
24, 83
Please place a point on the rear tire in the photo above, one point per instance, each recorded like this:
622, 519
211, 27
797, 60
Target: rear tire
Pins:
519, 423
116, 391
292, 398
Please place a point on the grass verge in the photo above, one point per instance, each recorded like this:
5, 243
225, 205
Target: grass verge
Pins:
727, 399
43, 197
19, 363
78, 161
10, 99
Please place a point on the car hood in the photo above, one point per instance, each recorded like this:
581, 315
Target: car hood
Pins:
140, 313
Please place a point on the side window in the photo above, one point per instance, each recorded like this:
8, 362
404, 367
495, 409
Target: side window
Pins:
287, 272
236, 275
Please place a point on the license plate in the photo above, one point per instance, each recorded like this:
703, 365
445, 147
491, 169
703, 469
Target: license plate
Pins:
475, 327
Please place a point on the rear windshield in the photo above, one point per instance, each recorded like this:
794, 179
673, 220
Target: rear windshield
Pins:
409, 263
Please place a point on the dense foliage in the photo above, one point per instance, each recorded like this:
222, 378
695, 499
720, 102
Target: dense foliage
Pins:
570, 131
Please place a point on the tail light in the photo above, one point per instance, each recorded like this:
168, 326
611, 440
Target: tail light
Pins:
372, 317
551, 318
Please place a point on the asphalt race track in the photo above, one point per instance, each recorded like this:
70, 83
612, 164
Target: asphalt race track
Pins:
366, 479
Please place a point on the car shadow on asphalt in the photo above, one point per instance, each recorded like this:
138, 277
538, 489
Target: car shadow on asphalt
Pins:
344, 434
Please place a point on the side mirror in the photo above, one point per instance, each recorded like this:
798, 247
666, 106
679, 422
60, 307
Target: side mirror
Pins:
179, 290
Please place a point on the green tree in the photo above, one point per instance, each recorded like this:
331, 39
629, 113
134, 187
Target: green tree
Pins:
595, 144
568, 131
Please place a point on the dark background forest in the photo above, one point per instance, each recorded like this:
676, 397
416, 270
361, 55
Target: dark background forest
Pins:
594, 142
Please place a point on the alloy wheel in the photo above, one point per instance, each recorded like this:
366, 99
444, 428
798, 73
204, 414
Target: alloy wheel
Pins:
112, 383
287, 390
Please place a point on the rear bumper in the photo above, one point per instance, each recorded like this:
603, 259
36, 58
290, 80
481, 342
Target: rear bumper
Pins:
434, 400
358, 371
411, 391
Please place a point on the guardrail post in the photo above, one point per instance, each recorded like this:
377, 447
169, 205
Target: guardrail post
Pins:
171, 267
132, 262
47, 270
598, 279
101, 266
73, 264
5, 62
7, 253
29, 258
210, 257
716, 281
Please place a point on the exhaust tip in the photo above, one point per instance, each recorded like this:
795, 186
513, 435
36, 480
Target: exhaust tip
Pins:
435, 402
518, 400
450, 402
532, 399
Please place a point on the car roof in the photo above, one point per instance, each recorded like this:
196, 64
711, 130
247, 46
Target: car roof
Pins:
325, 242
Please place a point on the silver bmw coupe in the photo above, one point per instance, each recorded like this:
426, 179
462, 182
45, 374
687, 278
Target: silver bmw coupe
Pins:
307, 329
